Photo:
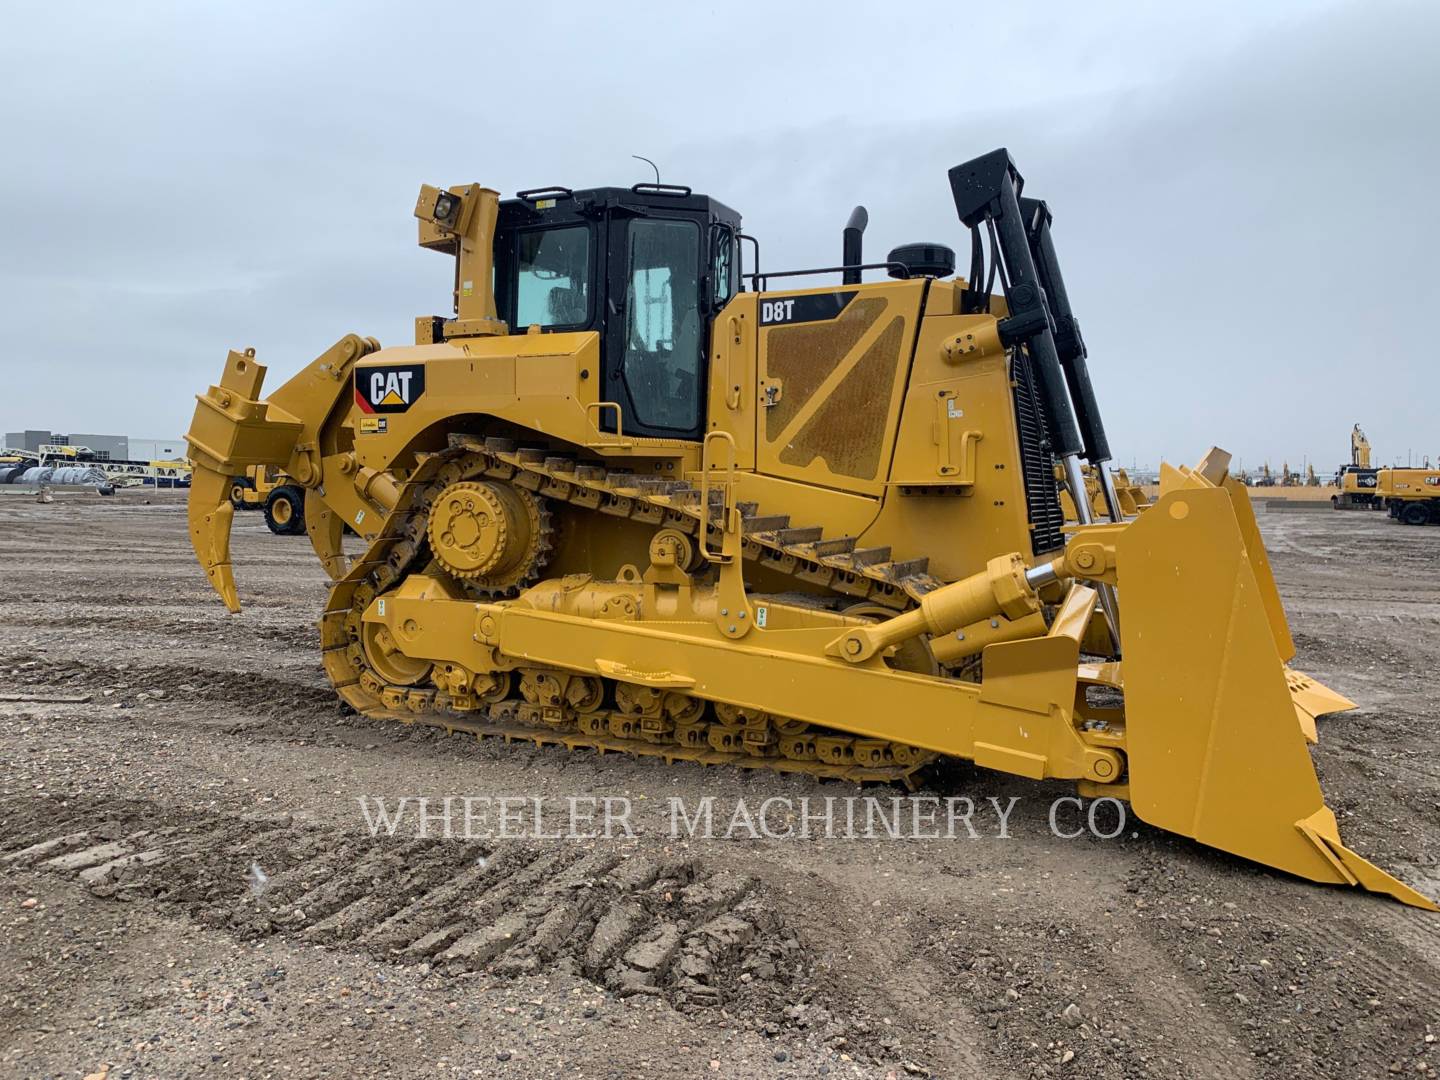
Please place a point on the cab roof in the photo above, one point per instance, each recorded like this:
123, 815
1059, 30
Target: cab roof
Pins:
538, 205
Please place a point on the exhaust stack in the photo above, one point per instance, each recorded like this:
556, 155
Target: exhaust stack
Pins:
852, 252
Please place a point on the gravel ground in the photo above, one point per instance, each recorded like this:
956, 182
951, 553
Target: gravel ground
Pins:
208, 896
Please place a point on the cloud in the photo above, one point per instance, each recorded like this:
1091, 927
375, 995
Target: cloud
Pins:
1239, 194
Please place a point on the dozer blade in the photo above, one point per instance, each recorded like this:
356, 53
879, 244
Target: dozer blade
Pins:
1313, 700
211, 516
1215, 752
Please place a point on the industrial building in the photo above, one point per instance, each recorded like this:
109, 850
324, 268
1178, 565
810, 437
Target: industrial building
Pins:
103, 447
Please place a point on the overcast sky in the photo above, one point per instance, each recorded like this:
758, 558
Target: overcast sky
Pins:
1243, 191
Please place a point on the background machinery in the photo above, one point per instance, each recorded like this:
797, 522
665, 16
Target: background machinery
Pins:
1130, 497
1357, 480
1412, 496
620, 501
264, 487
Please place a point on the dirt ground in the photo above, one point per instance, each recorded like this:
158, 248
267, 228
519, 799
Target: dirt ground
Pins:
261, 931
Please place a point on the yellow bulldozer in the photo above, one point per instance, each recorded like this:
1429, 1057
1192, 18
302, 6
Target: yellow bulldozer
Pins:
628, 496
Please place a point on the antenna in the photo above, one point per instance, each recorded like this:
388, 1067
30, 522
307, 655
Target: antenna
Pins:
652, 165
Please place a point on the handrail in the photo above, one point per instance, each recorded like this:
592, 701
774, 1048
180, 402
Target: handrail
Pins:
619, 416
727, 503
732, 388
894, 269
740, 249
534, 193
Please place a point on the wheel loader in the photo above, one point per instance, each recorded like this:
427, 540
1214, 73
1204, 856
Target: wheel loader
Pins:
266, 488
629, 495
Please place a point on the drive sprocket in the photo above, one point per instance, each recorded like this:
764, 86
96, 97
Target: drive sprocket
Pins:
490, 535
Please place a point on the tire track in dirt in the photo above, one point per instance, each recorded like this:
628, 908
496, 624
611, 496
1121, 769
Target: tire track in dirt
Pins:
267, 690
636, 924
1084, 1007
149, 622
1306, 980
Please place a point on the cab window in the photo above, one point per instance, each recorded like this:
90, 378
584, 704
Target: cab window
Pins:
722, 269
663, 326
552, 283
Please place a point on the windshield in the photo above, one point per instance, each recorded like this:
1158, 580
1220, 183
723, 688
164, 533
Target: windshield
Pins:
552, 277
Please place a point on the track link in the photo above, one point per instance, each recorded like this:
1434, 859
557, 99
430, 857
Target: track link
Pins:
538, 705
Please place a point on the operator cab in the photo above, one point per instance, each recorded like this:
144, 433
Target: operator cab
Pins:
646, 268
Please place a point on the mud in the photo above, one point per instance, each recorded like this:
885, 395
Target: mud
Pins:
188, 885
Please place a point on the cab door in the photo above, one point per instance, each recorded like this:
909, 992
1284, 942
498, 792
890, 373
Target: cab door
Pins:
656, 326
833, 364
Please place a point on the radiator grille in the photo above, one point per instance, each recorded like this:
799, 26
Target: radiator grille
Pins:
1037, 463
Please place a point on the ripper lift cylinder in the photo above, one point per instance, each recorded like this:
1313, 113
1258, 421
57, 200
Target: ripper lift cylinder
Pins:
1068, 343
986, 190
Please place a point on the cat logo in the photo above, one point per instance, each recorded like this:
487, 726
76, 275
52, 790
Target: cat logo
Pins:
390, 389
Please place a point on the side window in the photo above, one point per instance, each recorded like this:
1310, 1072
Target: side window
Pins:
722, 267
663, 328
552, 284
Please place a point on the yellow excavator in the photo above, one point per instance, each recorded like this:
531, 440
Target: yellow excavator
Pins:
629, 496
1357, 480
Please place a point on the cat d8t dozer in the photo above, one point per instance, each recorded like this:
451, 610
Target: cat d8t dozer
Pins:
620, 501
